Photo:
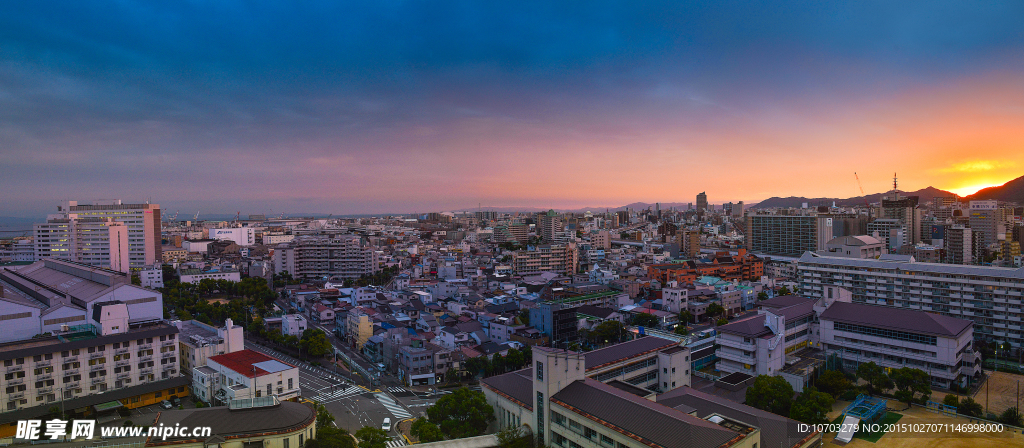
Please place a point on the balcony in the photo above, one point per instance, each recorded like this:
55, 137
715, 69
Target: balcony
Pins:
43, 364
121, 351
15, 381
97, 367
146, 358
122, 363
123, 375
146, 371
96, 355
44, 390
16, 368
72, 386
167, 343
44, 376
735, 357
98, 380
735, 344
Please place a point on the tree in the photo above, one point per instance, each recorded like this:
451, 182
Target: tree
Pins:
951, 400
875, 376
681, 330
969, 407
1011, 416
715, 309
685, 317
323, 417
910, 382
645, 320
784, 291
515, 437
372, 437
834, 383
812, 407
426, 431
770, 393
463, 413
607, 331
722, 321
331, 437
314, 342
762, 296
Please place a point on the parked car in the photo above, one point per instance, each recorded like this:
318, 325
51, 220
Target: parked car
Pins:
175, 401
387, 424
166, 404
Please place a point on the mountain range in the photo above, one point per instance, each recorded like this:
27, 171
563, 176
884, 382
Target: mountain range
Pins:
1012, 191
926, 195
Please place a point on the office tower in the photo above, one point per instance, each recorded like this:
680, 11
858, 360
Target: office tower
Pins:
737, 210
987, 221
787, 235
549, 224
702, 202
83, 233
958, 242
904, 209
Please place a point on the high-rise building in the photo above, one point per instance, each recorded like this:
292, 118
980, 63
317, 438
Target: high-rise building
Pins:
737, 210
319, 257
702, 202
787, 235
689, 242
549, 224
959, 245
105, 234
987, 221
904, 209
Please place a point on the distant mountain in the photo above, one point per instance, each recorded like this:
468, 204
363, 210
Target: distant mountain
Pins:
926, 195
1012, 191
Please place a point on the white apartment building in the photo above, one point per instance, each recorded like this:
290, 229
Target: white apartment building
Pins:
244, 374
152, 276
199, 341
81, 233
325, 257
758, 345
191, 275
989, 296
293, 324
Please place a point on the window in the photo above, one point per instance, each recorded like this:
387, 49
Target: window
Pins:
589, 433
540, 371
607, 441
158, 394
289, 383
286, 443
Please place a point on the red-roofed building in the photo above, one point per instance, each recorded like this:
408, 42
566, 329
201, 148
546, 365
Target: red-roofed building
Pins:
242, 375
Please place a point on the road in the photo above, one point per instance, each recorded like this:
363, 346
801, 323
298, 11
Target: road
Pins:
353, 405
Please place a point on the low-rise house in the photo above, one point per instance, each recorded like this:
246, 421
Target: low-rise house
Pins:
244, 374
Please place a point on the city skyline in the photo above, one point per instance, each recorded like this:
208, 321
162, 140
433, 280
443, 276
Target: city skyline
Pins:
409, 108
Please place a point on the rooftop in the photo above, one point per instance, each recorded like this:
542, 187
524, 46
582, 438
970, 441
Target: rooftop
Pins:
936, 268
652, 422
896, 319
626, 350
249, 363
82, 338
227, 423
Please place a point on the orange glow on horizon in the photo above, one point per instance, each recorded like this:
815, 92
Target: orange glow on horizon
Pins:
967, 191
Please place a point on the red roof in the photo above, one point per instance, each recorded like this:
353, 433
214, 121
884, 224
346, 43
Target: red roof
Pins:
242, 362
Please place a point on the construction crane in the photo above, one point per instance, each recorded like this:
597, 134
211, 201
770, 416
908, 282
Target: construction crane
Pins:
862, 194
196, 218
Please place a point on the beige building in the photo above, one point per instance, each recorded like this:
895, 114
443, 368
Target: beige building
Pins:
80, 233
360, 327
559, 258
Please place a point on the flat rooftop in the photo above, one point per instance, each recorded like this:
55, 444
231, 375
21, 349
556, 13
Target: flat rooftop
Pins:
81, 339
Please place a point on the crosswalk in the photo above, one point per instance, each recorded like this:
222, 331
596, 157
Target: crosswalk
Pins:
396, 409
327, 396
396, 390
400, 441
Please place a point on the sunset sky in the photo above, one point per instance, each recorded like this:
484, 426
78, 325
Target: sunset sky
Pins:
415, 106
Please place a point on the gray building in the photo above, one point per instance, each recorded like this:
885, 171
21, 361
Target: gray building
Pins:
787, 235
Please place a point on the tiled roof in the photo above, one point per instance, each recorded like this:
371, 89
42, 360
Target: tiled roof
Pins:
895, 319
517, 386
242, 362
652, 422
234, 423
626, 350
752, 326
776, 430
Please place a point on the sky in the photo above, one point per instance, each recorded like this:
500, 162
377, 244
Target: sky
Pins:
416, 106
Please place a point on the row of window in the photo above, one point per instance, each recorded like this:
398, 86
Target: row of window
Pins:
886, 333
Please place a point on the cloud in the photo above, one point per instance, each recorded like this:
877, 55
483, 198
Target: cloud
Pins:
977, 166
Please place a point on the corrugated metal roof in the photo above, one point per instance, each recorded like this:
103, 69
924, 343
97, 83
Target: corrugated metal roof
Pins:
626, 350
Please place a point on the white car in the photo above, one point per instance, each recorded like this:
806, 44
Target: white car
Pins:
387, 424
